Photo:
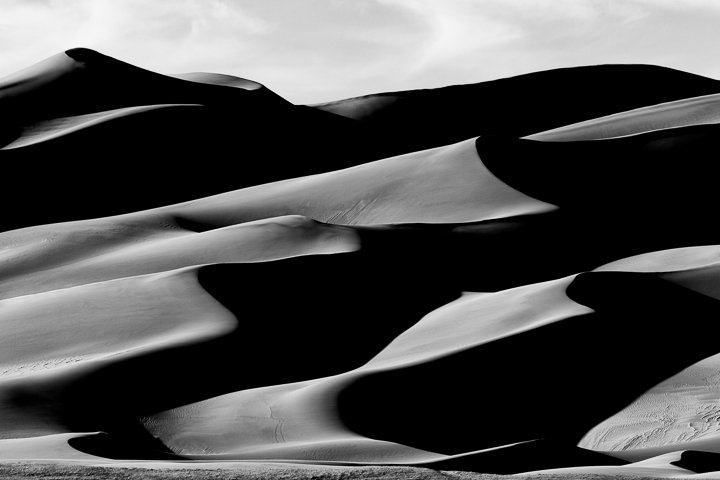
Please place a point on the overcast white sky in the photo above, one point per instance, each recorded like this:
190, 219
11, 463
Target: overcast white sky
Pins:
319, 50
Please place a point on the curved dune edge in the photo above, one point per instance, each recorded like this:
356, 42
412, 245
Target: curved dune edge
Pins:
442, 185
43, 131
516, 106
676, 259
218, 79
94, 326
55, 257
680, 113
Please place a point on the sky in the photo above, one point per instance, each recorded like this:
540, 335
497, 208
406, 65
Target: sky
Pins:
312, 51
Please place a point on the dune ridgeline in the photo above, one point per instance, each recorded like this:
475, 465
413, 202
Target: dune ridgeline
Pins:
513, 276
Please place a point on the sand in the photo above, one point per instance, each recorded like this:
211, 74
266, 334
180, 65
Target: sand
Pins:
197, 274
680, 113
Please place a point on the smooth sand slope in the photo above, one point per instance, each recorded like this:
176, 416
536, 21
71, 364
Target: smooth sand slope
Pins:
680, 113
244, 280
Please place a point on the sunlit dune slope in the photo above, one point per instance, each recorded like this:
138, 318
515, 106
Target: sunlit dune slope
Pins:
680, 113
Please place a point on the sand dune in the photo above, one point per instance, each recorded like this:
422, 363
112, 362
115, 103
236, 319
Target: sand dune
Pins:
78, 81
444, 349
680, 113
396, 279
518, 106
657, 467
46, 130
444, 204
81, 105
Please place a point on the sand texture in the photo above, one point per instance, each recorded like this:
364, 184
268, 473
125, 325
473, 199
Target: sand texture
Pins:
509, 277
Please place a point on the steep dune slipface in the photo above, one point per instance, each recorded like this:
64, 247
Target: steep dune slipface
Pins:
680, 113
46, 447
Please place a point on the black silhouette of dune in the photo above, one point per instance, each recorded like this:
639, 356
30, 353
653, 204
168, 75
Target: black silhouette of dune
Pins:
518, 106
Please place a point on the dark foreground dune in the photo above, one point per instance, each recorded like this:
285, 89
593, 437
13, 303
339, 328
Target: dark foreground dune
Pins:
195, 273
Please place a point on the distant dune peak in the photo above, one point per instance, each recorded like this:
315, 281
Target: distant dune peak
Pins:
82, 54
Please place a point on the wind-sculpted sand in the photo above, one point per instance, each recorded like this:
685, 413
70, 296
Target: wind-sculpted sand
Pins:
680, 113
195, 273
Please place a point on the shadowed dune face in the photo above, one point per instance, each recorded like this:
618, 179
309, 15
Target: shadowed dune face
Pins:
211, 274
623, 176
630, 302
521, 105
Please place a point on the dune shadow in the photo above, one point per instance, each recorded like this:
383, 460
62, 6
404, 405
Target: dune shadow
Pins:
554, 382
298, 319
